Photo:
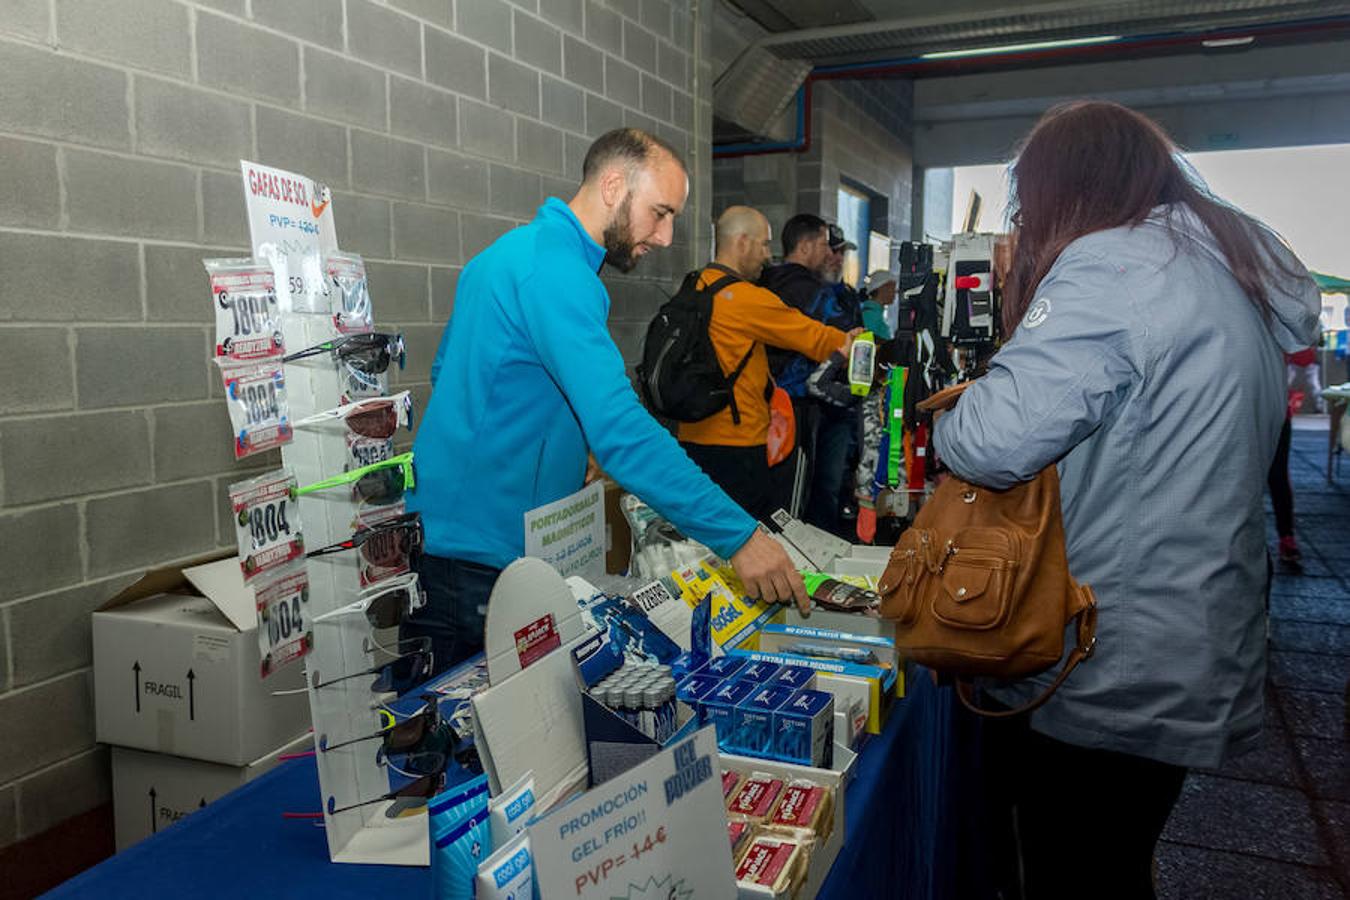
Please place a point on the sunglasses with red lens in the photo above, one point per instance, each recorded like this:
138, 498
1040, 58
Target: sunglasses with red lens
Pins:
378, 417
384, 545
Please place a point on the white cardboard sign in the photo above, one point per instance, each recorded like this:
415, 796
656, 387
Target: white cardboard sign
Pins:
290, 220
659, 830
569, 534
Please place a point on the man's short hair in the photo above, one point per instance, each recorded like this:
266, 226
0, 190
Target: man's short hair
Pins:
801, 227
632, 147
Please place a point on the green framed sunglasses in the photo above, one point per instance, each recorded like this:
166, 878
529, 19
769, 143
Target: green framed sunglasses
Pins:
380, 483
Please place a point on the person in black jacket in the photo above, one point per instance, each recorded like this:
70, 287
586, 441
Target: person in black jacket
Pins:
799, 282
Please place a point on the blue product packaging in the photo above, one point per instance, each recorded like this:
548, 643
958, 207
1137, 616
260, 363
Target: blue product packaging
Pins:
804, 729
753, 728
693, 689
799, 678
509, 873
723, 666
759, 671
456, 855
719, 707
456, 803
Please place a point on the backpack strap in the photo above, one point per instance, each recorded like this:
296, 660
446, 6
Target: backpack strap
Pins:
730, 277
1087, 642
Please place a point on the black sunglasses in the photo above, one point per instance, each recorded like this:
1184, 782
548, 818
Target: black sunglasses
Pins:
424, 787
401, 737
368, 353
406, 669
383, 545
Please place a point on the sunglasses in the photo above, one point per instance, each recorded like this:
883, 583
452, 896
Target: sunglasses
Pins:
424, 788
377, 417
369, 354
379, 483
390, 603
409, 668
404, 736
385, 545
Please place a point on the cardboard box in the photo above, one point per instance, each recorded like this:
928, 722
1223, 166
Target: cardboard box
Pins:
176, 669
151, 791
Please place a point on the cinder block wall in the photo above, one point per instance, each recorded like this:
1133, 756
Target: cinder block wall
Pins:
439, 124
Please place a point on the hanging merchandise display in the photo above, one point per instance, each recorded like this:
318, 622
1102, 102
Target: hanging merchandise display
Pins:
259, 412
248, 317
267, 522
370, 426
285, 632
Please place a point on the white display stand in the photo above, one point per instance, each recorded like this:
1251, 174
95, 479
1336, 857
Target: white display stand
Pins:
291, 224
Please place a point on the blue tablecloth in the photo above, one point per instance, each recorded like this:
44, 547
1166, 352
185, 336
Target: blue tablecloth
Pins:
898, 842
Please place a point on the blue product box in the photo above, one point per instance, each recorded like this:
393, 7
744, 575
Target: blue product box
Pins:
693, 689
799, 678
753, 732
758, 671
723, 666
804, 729
719, 707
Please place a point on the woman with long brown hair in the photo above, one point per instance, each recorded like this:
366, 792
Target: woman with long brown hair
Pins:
1146, 322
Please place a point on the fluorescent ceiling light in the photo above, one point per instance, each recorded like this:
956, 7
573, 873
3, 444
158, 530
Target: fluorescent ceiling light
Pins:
1214, 43
1017, 48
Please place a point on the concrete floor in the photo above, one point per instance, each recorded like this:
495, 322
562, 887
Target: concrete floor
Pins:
1276, 822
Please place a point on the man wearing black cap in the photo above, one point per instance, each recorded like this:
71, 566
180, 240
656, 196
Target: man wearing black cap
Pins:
803, 281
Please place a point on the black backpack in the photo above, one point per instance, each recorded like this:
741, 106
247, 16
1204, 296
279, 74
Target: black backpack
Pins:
680, 376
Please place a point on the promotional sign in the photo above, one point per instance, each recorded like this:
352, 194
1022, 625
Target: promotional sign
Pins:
290, 221
659, 830
569, 534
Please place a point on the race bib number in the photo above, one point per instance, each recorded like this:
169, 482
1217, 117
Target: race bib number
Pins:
357, 385
285, 632
248, 318
365, 451
256, 395
266, 522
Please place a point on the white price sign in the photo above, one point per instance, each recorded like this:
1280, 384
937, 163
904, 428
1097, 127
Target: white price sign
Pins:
290, 219
659, 830
569, 534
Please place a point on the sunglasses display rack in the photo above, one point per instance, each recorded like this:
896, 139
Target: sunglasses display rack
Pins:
343, 705
301, 285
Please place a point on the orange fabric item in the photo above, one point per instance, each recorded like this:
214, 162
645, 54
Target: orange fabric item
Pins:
746, 315
782, 427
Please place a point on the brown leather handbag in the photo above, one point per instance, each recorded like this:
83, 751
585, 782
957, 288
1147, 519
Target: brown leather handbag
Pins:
979, 584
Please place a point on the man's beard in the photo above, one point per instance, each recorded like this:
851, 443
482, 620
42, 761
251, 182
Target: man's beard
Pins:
619, 247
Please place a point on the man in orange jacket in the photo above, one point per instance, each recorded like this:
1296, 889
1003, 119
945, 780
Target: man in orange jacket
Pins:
730, 444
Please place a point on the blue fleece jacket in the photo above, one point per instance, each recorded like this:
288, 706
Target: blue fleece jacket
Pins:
526, 378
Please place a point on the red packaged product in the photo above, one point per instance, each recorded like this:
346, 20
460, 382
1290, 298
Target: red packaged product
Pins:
777, 864
756, 796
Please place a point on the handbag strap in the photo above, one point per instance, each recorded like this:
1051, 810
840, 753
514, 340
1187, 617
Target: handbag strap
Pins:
1087, 643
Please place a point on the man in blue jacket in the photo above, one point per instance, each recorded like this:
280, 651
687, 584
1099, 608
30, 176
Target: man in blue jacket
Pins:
527, 380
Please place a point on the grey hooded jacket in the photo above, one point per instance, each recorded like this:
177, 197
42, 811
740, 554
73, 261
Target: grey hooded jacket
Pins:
1143, 370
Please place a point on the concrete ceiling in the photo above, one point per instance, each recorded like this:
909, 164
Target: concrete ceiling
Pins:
851, 31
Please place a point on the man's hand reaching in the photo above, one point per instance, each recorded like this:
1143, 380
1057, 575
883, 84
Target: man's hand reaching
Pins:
768, 573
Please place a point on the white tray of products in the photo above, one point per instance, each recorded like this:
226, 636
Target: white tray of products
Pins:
822, 856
